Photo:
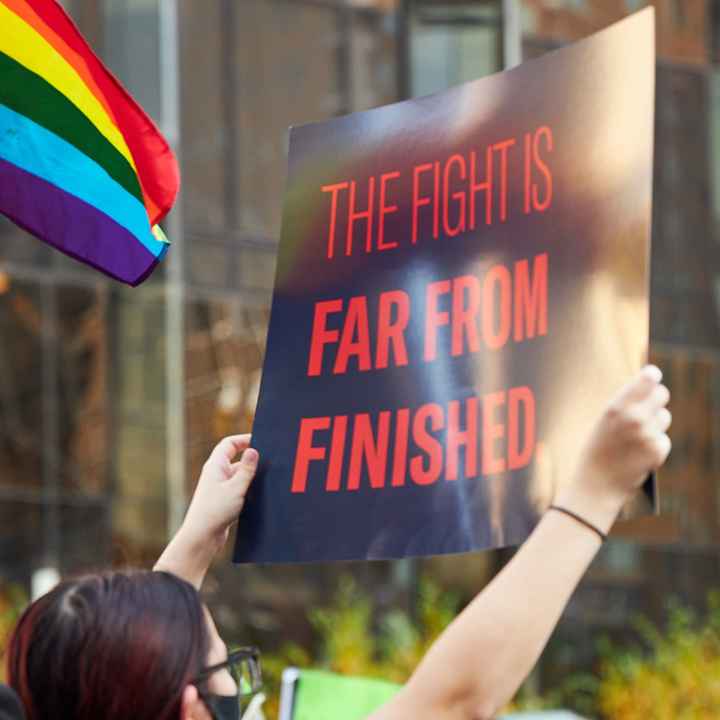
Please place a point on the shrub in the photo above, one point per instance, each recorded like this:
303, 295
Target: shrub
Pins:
351, 640
12, 602
673, 674
677, 676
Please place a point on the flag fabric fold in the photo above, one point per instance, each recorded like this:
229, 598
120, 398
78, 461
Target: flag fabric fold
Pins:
82, 166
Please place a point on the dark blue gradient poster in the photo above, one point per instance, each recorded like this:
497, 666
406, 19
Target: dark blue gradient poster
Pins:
462, 283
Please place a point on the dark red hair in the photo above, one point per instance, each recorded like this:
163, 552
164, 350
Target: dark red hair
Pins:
113, 646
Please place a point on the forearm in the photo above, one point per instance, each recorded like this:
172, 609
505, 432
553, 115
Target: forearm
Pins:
218, 499
480, 661
189, 556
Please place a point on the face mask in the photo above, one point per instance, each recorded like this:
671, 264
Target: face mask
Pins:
223, 707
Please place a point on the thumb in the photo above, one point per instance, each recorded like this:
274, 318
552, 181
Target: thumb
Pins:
244, 469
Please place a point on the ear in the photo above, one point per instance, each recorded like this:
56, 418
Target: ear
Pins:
193, 708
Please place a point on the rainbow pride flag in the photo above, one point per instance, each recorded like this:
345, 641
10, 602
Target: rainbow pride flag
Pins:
82, 167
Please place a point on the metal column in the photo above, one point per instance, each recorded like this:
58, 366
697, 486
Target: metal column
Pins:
511, 33
175, 441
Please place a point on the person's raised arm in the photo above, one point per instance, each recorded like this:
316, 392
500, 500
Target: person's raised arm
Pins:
218, 499
216, 503
478, 663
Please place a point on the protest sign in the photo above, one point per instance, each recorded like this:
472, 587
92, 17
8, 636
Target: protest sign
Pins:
462, 283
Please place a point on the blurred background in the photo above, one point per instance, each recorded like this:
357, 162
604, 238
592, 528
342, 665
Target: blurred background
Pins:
111, 398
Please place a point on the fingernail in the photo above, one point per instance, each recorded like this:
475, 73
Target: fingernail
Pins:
653, 372
250, 456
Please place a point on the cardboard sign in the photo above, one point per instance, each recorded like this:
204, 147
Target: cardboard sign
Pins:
462, 284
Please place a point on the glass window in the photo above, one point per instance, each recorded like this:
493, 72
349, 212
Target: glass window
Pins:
81, 367
17, 246
452, 43
21, 539
22, 437
130, 48
225, 341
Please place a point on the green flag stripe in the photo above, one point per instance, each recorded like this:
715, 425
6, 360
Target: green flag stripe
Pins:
28, 94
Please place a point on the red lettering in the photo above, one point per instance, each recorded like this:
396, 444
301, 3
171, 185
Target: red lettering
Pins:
354, 215
485, 186
457, 438
499, 276
545, 132
337, 452
334, 189
434, 317
492, 432
374, 452
465, 306
306, 452
527, 177
418, 201
385, 210
392, 332
355, 340
503, 147
458, 197
531, 303
321, 336
419, 472
517, 457
401, 446
508, 442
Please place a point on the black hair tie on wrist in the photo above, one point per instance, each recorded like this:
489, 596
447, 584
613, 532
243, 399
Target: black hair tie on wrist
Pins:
581, 520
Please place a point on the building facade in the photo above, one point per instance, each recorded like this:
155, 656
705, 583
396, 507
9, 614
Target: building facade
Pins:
111, 398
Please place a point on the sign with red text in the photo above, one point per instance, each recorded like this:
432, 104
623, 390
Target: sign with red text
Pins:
462, 283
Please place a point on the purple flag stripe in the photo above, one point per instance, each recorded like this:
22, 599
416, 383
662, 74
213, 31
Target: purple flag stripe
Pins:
73, 226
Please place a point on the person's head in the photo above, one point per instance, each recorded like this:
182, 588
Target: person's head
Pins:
113, 646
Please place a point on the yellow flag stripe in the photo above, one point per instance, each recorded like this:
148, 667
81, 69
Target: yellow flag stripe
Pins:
22, 43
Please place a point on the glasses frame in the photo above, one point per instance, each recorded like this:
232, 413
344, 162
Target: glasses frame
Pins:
251, 654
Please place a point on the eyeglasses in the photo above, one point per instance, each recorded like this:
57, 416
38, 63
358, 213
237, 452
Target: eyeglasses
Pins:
243, 665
